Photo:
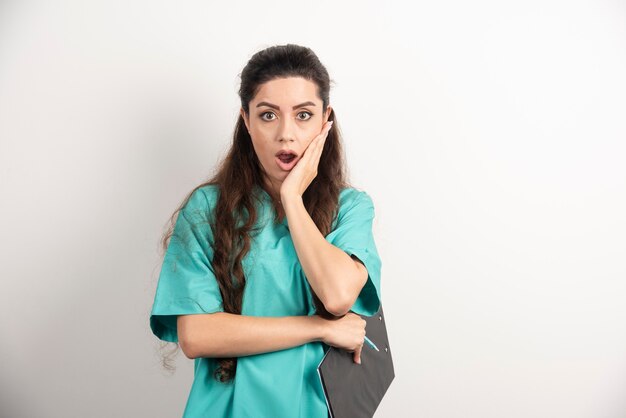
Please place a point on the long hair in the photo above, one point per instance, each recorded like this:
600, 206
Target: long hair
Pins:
236, 176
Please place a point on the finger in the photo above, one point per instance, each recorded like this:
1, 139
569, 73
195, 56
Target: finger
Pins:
317, 154
313, 144
321, 140
325, 132
357, 354
314, 150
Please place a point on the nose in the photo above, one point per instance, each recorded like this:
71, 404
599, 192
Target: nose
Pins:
286, 131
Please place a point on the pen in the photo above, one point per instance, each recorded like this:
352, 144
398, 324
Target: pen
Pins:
371, 344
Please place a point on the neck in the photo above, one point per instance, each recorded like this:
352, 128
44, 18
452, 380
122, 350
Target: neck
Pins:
273, 190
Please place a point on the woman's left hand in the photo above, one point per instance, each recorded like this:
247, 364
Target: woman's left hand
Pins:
305, 170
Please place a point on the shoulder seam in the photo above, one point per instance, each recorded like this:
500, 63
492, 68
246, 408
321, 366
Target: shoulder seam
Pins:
360, 195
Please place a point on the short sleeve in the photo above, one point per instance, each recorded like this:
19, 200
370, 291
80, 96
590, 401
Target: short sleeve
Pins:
187, 282
354, 235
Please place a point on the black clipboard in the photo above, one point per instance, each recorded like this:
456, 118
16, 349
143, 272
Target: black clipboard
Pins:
355, 390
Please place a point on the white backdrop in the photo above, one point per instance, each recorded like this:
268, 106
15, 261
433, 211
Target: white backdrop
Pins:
489, 134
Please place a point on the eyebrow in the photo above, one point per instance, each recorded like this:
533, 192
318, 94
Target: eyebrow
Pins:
278, 108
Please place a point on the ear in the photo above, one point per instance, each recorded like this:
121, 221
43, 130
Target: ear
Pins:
327, 113
245, 119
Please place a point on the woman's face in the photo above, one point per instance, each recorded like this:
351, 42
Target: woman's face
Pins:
285, 114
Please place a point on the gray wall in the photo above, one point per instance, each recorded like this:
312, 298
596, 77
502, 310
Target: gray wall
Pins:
490, 136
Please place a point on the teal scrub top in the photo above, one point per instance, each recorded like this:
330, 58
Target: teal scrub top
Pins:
278, 384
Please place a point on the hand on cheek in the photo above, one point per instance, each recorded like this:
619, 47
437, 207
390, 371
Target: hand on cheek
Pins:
305, 170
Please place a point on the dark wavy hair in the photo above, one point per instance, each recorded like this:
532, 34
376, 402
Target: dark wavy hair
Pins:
240, 171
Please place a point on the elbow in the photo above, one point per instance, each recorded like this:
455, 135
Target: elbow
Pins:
192, 333
184, 338
339, 307
338, 312
187, 347
344, 300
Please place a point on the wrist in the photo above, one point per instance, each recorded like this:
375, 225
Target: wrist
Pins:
290, 197
292, 205
320, 328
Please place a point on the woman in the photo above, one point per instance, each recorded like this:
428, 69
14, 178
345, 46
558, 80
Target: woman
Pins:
272, 261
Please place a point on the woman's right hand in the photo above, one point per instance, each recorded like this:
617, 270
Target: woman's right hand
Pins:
346, 332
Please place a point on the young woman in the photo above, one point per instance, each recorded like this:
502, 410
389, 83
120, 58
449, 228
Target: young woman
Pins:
271, 261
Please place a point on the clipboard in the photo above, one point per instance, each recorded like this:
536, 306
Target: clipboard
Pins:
355, 390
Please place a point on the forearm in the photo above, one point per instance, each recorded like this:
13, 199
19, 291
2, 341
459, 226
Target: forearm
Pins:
223, 334
333, 275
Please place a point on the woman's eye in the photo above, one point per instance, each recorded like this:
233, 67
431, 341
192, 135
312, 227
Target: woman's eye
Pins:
306, 113
309, 114
266, 113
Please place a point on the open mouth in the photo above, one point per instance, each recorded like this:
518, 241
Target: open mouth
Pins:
286, 158
286, 161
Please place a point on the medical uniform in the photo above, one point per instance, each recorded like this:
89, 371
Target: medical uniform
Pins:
278, 384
